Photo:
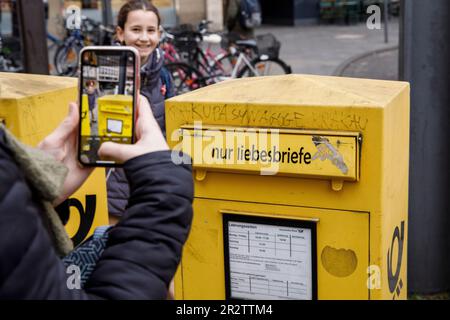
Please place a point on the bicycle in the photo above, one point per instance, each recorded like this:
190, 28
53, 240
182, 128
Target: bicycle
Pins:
252, 58
9, 61
185, 78
192, 66
184, 45
246, 58
236, 58
168, 48
67, 54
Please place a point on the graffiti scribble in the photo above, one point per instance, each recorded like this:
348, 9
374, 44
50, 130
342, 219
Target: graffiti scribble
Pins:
325, 150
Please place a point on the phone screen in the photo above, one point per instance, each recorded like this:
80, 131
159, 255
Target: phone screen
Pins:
107, 100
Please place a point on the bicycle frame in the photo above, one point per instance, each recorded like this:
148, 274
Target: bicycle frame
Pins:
242, 58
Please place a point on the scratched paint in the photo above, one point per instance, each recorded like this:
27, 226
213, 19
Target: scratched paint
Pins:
339, 262
325, 150
209, 243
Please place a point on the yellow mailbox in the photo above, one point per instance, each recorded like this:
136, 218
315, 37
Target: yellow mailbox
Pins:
32, 106
85, 117
115, 115
301, 188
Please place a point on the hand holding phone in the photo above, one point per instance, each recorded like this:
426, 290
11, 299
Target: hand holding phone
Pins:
62, 145
108, 90
148, 134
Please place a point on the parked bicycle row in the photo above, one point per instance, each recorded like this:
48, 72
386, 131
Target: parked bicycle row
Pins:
197, 57
194, 56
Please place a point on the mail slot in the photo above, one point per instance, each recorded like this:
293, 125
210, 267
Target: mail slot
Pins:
272, 151
301, 188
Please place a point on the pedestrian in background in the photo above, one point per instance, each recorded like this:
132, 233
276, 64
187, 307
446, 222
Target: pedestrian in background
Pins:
93, 95
242, 17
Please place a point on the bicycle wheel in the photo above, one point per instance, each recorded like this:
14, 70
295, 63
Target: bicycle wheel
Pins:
66, 59
185, 78
265, 67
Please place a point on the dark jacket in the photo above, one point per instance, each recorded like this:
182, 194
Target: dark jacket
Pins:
143, 249
151, 88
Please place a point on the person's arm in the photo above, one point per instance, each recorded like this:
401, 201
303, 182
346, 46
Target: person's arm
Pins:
62, 145
142, 253
143, 250
29, 266
168, 82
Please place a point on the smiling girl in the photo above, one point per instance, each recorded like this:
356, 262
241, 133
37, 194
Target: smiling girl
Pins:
138, 26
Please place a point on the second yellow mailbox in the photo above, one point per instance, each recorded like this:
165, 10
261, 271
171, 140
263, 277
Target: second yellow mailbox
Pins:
301, 188
31, 107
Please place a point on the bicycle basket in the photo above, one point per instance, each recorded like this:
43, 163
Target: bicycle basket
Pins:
268, 45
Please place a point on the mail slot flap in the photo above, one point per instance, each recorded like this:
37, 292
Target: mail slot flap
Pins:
269, 151
116, 104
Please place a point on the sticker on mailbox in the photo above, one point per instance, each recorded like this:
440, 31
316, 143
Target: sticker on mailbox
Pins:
269, 260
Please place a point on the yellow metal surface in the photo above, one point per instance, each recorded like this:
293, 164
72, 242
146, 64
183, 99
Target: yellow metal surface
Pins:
204, 250
32, 106
362, 223
85, 116
115, 108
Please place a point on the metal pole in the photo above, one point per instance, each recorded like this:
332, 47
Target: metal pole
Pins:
122, 72
33, 35
425, 64
401, 41
107, 18
386, 22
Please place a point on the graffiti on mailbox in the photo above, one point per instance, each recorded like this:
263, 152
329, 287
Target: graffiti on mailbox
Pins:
325, 150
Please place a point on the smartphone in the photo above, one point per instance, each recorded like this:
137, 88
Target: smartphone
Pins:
108, 91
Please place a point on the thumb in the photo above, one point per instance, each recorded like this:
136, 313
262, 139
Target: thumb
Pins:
115, 151
71, 120
63, 133
67, 126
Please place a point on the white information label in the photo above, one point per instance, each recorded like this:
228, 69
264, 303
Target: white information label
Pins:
269, 261
114, 126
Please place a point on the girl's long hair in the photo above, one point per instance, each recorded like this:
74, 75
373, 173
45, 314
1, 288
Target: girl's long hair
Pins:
133, 5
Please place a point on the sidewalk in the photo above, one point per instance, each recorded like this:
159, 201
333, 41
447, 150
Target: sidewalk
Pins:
380, 64
322, 49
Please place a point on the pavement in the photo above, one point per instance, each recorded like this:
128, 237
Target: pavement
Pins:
379, 64
347, 50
